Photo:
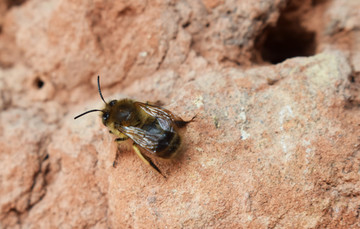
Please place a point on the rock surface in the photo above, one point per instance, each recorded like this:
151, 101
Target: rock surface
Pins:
275, 86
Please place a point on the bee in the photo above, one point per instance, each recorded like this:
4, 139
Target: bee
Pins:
150, 127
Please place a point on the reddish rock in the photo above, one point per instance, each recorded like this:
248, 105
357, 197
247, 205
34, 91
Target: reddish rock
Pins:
275, 86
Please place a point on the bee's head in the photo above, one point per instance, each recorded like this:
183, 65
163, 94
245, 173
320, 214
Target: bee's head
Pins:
106, 112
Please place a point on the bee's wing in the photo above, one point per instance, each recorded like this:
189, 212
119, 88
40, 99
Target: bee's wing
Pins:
165, 117
143, 138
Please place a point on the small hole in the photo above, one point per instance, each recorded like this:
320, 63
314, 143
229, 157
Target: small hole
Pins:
46, 157
125, 12
207, 25
39, 83
186, 25
352, 79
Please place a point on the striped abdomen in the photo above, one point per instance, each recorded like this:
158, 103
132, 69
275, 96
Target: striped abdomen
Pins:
169, 143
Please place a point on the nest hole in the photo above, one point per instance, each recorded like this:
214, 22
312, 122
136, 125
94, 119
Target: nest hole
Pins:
39, 83
287, 39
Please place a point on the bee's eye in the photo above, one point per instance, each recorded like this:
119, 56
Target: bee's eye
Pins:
105, 117
112, 103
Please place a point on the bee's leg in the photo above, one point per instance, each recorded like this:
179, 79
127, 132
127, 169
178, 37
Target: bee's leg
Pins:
146, 159
121, 139
117, 152
181, 123
115, 162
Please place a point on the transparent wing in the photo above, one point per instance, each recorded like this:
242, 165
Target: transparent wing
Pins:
145, 139
165, 117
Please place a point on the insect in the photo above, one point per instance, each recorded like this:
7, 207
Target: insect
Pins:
150, 127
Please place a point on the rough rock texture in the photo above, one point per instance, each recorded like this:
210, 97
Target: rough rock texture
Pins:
275, 86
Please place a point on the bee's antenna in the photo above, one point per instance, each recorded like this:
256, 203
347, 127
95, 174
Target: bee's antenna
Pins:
100, 90
86, 112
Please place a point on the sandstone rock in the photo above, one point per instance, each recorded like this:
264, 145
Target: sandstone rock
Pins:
276, 141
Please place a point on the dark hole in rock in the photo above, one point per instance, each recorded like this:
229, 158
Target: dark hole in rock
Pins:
39, 83
127, 11
11, 3
186, 25
287, 42
352, 79
287, 39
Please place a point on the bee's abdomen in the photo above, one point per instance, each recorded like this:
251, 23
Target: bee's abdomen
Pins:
168, 144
